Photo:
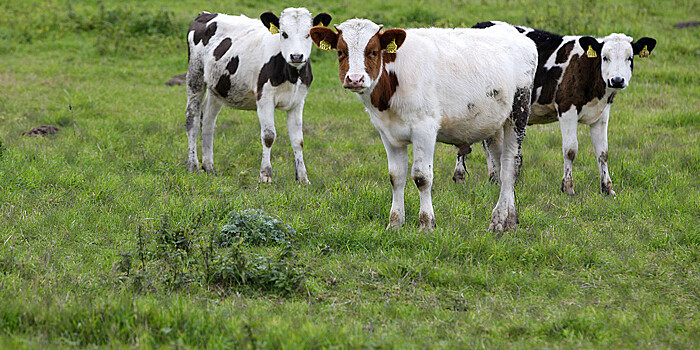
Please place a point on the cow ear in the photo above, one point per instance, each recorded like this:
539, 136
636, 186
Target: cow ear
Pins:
591, 46
643, 46
323, 18
271, 22
392, 39
324, 38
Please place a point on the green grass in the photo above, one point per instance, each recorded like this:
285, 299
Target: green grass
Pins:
584, 271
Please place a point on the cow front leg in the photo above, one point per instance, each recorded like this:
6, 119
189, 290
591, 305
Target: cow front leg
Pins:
424, 137
212, 106
504, 217
599, 138
266, 115
193, 114
296, 138
493, 147
568, 122
397, 158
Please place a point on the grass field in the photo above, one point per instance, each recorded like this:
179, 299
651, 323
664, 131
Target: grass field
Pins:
107, 240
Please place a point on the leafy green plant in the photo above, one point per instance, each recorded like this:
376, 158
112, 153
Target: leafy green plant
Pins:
254, 227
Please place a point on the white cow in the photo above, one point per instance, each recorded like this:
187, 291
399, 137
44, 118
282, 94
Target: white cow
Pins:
252, 65
419, 86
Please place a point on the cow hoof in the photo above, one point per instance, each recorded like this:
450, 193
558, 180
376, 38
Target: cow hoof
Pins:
567, 186
606, 189
503, 219
209, 169
396, 220
459, 177
427, 222
193, 167
305, 181
264, 179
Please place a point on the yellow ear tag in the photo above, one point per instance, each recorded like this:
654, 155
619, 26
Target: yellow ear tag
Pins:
274, 29
644, 53
590, 53
324, 45
391, 47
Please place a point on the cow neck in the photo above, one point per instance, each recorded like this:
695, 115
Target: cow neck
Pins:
278, 71
386, 84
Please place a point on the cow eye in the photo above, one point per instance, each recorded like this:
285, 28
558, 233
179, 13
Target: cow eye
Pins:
341, 54
284, 35
605, 59
307, 36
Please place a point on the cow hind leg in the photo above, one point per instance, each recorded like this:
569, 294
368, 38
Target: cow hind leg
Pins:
568, 123
461, 170
212, 106
266, 115
193, 112
296, 138
493, 148
504, 216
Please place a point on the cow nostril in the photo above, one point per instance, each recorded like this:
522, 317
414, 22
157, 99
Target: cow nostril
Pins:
296, 57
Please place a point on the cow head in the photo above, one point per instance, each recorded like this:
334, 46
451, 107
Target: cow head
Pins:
293, 27
616, 52
362, 46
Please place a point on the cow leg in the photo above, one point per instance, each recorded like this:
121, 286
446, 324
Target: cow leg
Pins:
266, 115
599, 138
568, 122
212, 106
193, 113
397, 157
504, 216
461, 170
296, 138
493, 147
422, 172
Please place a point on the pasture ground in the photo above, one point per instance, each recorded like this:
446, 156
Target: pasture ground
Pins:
93, 219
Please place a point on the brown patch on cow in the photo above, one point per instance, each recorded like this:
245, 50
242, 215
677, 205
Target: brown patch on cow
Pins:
178, 79
580, 84
564, 51
343, 59
611, 98
394, 218
221, 49
268, 137
571, 154
42, 130
301, 143
384, 90
223, 86
373, 57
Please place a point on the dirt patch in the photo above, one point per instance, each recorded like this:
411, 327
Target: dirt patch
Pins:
178, 79
42, 131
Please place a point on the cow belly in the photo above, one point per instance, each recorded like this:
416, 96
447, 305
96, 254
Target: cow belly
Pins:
469, 129
542, 114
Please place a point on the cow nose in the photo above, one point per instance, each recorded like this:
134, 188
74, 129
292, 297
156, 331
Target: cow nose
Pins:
617, 82
296, 57
354, 81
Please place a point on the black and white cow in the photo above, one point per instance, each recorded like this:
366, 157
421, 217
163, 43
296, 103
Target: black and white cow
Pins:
419, 86
249, 64
576, 81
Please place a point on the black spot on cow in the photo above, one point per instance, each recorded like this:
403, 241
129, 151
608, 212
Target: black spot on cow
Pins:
493, 93
603, 157
546, 44
268, 137
223, 86
202, 31
232, 65
278, 71
482, 25
548, 79
391, 179
521, 112
420, 181
571, 154
612, 97
520, 29
221, 49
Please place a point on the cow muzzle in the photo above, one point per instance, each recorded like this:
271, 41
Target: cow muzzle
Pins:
297, 58
617, 83
354, 82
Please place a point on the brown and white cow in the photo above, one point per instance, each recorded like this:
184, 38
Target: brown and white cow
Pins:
576, 81
419, 86
249, 64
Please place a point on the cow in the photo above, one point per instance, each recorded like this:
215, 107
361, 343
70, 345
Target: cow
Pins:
419, 86
576, 81
249, 64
